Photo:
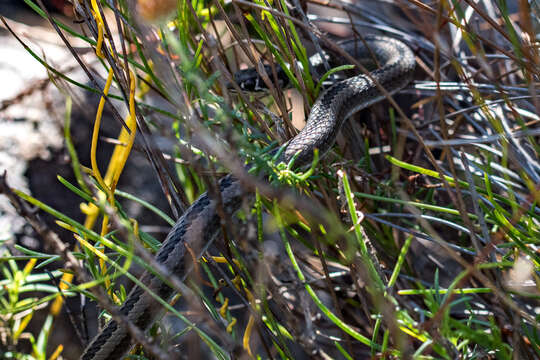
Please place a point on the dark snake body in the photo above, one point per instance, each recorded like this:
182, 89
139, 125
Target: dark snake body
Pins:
199, 225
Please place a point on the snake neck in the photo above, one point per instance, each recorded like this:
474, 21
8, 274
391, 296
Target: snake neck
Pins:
351, 95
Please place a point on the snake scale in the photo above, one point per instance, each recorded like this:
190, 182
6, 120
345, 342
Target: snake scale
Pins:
200, 224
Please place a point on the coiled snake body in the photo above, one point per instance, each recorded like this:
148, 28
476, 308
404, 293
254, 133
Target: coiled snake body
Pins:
200, 223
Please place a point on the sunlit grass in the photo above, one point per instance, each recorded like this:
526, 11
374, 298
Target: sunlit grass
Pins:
458, 193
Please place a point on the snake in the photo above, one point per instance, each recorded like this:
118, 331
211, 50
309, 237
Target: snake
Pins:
200, 223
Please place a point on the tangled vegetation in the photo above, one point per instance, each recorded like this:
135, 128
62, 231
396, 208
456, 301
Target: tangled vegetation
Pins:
415, 237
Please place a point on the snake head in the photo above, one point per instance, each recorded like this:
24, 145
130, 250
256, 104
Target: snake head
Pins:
250, 79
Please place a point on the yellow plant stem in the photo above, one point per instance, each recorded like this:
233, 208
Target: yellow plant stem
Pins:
92, 248
29, 266
125, 137
249, 326
56, 352
247, 335
95, 168
116, 164
229, 328
22, 325
100, 26
224, 307
95, 134
64, 284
